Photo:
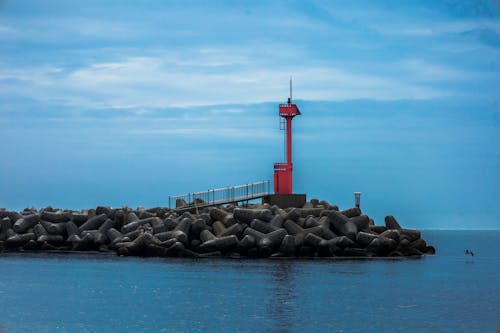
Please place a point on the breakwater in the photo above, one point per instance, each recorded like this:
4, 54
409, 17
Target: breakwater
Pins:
316, 230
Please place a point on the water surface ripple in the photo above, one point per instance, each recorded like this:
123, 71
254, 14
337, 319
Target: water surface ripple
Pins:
449, 292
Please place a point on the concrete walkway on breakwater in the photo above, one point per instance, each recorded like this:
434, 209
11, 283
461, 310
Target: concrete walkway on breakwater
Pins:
317, 230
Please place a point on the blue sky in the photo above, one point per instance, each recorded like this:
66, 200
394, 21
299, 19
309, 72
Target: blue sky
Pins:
127, 102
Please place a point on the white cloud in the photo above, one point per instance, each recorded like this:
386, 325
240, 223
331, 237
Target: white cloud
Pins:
215, 76
435, 27
425, 71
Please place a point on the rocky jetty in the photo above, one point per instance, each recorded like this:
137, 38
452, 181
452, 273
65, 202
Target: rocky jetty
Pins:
316, 230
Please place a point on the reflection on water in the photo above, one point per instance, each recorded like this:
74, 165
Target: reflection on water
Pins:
282, 298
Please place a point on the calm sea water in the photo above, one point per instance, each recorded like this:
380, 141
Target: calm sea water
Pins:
449, 292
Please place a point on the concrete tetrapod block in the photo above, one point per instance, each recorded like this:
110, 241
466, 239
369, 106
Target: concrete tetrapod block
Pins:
42, 236
378, 229
351, 212
51, 239
136, 224
311, 222
419, 244
197, 227
430, 250
168, 243
222, 244
313, 240
246, 243
169, 223
71, 229
246, 215
277, 221
321, 231
160, 228
91, 236
382, 245
287, 246
410, 234
140, 245
39, 230
206, 235
254, 233
19, 239
114, 236
403, 247
79, 218
342, 225
324, 204
292, 228
93, 223
235, 229
305, 212
364, 238
108, 211
175, 250
179, 235
341, 242
218, 227
292, 214
206, 216
54, 228
14, 216
391, 223
108, 224
264, 227
362, 222
6, 224
324, 221
134, 234
271, 240
119, 218
217, 214
55, 217
184, 225
326, 248
131, 217
25, 223
84, 243
392, 234
134, 247
145, 214
279, 211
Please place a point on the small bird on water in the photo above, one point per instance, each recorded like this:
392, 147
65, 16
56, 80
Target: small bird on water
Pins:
469, 252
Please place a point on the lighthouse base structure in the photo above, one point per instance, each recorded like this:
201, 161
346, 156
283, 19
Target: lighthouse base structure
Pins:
283, 178
285, 200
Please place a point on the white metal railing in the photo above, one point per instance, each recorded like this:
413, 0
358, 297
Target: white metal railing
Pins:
221, 195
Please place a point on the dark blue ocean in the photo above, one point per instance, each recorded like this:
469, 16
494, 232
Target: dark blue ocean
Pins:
448, 292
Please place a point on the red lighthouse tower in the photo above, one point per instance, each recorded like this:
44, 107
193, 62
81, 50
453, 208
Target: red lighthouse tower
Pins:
283, 194
283, 171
